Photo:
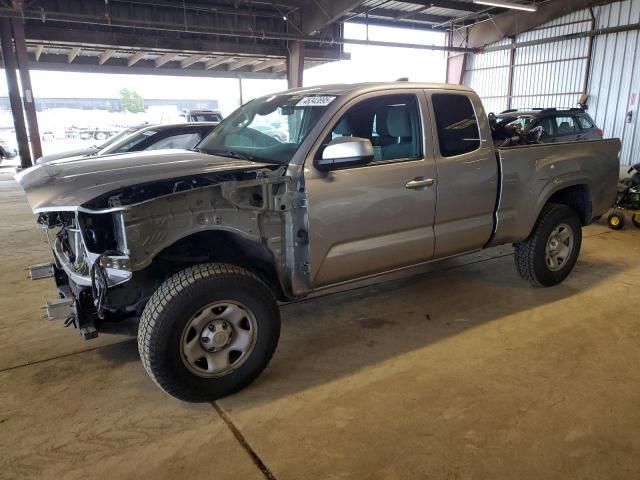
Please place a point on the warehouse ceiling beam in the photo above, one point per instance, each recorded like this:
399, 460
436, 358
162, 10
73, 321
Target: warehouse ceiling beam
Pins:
393, 15
268, 64
105, 56
38, 52
166, 58
187, 62
216, 62
512, 23
73, 53
240, 48
450, 4
135, 58
317, 14
390, 22
562, 38
243, 62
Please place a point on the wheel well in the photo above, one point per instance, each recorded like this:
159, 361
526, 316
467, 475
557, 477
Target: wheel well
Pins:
223, 247
577, 197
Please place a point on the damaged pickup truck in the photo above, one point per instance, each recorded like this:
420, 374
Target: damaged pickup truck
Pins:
192, 250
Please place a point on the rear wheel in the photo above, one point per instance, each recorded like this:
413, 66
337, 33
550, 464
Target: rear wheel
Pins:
208, 331
636, 219
615, 221
547, 257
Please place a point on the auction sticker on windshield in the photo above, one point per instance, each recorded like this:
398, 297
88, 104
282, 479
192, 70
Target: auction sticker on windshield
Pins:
317, 101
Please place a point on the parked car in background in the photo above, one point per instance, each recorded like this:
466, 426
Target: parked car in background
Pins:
153, 137
7, 148
92, 149
559, 125
272, 132
202, 115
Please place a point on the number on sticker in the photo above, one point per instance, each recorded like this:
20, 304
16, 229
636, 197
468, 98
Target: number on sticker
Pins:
317, 101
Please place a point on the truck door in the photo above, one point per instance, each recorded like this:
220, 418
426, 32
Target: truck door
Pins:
376, 217
467, 173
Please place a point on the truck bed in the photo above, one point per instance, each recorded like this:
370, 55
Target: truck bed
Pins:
531, 174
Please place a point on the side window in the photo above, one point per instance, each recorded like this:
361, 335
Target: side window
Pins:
457, 124
390, 122
585, 122
183, 141
566, 125
547, 124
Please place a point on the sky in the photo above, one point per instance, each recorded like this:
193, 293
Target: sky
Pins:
367, 63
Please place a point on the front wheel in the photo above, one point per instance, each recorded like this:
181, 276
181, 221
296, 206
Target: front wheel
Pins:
208, 331
547, 257
635, 219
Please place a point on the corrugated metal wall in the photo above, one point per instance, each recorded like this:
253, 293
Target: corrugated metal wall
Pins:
553, 74
615, 78
488, 74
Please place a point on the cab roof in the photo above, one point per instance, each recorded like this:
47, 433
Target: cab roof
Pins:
351, 88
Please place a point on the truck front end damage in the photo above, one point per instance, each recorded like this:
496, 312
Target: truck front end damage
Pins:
89, 258
111, 252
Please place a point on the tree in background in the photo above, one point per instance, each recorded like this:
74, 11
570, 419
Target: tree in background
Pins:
131, 101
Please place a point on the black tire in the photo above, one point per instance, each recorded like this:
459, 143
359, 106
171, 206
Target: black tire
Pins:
615, 221
181, 297
635, 219
530, 254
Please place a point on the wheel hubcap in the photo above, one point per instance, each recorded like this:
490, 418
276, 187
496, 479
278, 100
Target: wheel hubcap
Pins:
218, 339
559, 247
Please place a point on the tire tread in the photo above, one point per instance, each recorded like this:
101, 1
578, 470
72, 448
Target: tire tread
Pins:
151, 329
525, 251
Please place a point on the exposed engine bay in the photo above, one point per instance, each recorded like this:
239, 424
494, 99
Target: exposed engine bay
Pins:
113, 252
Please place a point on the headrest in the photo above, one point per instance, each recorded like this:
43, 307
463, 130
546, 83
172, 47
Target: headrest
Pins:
398, 122
382, 117
343, 127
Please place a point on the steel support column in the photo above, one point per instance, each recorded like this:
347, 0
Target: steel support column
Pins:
295, 64
10, 65
28, 99
512, 61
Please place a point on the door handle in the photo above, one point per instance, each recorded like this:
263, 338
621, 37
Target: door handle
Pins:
419, 182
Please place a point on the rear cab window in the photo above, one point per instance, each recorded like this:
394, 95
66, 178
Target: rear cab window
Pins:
457, 124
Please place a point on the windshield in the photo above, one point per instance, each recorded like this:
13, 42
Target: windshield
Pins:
127, 143
204, 117
268, 129
118, 136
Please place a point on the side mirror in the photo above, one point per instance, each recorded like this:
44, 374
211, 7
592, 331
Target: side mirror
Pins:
345, 152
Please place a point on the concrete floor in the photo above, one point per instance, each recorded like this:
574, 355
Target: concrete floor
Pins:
461, 373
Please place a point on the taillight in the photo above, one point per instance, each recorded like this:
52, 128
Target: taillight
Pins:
601, 132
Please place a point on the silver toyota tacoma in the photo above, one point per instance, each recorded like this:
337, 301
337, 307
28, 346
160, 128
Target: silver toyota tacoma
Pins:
193, 250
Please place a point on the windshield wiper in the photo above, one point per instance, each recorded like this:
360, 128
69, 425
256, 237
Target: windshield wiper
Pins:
239, 156
230, 154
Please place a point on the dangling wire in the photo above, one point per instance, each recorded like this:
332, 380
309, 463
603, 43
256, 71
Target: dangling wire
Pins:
100, 282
